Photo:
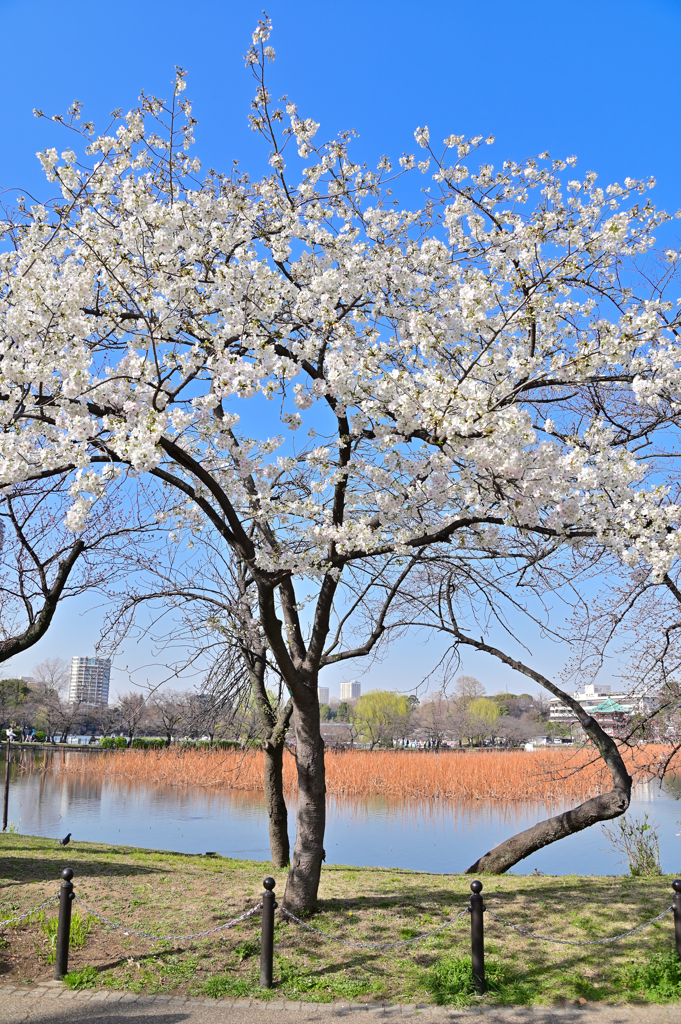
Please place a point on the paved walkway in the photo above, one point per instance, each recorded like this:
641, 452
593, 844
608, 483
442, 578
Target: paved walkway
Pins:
51, 1003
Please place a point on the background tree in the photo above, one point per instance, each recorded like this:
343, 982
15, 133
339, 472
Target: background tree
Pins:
13, 699
168, 711
380, 716
432, 719
133, 713
215, 601
466, 690
49, 698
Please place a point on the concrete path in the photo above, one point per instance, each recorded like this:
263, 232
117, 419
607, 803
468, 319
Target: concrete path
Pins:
51, 1003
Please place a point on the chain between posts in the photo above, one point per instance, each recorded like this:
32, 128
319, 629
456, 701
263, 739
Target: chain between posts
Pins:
167, 938
590, 942
22, 917
374, 945
268, 904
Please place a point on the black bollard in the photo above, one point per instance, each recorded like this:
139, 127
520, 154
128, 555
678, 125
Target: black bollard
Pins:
61, 960
476, 908
269, 905
676, 904
8, 761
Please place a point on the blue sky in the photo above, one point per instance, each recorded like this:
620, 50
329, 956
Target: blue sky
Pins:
598, 79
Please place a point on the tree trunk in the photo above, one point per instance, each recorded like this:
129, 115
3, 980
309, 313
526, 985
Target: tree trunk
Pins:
276, 805
599, 808
308, 853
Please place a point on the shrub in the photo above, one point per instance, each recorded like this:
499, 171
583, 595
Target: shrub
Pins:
639, 842
148, 743
107, 743
40, 736
120, 742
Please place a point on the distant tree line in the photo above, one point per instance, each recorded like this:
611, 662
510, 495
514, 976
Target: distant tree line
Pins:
41, 708
464, 717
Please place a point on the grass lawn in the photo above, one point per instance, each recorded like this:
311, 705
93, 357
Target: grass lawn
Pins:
174, 893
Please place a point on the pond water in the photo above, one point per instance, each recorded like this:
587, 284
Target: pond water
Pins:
437, 835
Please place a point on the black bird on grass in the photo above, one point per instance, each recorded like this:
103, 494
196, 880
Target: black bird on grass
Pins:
66, 840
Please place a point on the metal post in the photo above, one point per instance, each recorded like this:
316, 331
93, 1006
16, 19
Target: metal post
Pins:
476, 908
269, 905
676, 904
6, 804
61, 961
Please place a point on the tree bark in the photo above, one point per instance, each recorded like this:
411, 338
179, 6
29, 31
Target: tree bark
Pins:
274, 746
308, 853
280, 849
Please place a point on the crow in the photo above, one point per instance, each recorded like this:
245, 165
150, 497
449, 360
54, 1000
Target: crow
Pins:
66, 840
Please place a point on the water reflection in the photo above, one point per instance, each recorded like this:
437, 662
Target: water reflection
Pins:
434, 835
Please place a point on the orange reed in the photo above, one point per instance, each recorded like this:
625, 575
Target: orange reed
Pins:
548, 776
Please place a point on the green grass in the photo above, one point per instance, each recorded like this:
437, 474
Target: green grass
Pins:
80, 928
171, 893
657, 979
451, 982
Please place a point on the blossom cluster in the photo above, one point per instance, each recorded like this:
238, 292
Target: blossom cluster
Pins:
491, 359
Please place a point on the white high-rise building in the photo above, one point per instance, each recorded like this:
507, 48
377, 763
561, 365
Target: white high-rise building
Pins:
89, 681
323, 694
351, 690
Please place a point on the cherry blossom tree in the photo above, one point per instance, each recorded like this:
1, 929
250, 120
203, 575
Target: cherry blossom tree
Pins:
334, 385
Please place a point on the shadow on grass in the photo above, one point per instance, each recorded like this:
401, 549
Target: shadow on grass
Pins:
19, 870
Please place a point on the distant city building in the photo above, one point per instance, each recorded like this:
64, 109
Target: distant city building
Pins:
323, 694
89, 681
612, 711
351, 690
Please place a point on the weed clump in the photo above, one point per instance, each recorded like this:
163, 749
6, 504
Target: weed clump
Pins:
86, 977
451, 982
80, 929
639, 842
658, 979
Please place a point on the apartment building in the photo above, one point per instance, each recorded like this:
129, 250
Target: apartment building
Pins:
351, 690
89, 681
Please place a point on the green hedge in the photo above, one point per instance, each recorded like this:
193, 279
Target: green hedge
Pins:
157, 743
148, 743
218, 745
113, 743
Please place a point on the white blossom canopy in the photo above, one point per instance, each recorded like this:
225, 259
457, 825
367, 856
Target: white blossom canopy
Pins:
492, 361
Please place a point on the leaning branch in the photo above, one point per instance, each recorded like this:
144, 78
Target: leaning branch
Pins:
599, 808
52, 595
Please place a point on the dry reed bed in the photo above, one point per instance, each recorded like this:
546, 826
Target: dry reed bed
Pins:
546, 776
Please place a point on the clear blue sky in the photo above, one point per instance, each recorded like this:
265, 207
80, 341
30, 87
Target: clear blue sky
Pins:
598, 79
